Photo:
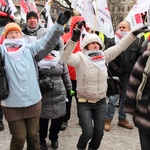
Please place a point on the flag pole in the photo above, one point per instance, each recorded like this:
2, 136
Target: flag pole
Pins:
95, 17
48, 2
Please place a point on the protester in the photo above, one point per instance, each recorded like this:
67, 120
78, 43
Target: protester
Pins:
22, 107
54, 84
121, 67
74, 23
140, 109
5, 17
33, 28
92, 82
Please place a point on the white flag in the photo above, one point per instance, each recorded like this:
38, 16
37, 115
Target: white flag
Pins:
90, 16
95, 13
135, 15
98, 15
103, 17
49, 19
77, 5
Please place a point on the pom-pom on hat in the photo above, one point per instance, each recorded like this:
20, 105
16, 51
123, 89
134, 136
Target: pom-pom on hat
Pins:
32, 14
89, 38
11, 27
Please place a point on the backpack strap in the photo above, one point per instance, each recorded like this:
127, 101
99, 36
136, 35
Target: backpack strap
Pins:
144, 80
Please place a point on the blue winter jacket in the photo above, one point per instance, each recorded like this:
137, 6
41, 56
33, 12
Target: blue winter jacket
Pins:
21, 74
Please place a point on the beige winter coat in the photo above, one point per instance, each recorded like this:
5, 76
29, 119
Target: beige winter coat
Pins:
91, 81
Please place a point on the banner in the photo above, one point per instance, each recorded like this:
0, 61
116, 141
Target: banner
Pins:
103, 17
98, 16
77, 5
138, 14
26, 6
90, 15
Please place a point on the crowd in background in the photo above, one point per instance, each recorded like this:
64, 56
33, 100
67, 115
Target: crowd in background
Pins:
71, 61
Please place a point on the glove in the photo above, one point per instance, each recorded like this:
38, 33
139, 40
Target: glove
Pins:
70, 93
5, 9
138, 31
77, 32
64, 17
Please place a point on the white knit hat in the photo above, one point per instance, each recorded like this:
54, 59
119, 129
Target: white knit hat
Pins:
89, 38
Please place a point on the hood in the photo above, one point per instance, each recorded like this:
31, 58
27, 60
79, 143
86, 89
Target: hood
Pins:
74, 20
89, 38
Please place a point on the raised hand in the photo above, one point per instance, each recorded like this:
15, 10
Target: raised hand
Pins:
77, 32
140, 30
5, 9
64, 17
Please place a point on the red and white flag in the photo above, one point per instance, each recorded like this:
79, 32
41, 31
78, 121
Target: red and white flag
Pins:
27, 6
138, 15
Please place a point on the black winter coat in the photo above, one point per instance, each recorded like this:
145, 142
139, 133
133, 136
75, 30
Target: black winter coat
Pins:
122, 65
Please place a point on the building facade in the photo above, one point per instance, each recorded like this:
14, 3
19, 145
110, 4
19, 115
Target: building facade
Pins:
119, 9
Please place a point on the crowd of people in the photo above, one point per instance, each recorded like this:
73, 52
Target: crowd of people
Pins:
44, 65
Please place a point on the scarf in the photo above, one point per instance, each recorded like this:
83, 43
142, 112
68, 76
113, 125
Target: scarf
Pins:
14, 47
33, 32
50, 60
97, 57
119, 35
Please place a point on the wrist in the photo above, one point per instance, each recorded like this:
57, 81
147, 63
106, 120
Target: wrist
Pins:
74, 39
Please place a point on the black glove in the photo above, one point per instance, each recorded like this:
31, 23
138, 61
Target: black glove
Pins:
77, 32
5, 9
64, 17
138, 31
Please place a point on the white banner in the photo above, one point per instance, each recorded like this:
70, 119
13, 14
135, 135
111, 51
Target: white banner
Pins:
138, 14
103, 17
90, 16
77, 5
96, 14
